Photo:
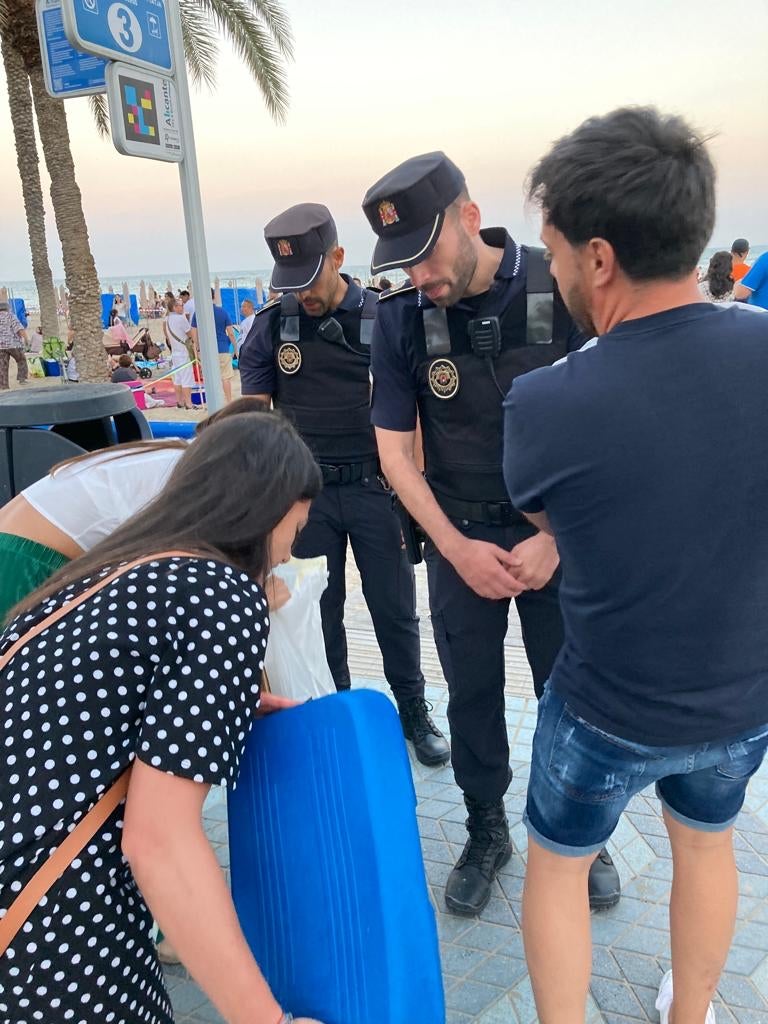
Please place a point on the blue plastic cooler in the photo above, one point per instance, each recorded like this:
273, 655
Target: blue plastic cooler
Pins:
327, 871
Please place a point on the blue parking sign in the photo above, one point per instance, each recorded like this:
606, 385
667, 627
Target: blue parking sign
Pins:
135, 31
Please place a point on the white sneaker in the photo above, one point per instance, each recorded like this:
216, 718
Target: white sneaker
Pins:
664, 1001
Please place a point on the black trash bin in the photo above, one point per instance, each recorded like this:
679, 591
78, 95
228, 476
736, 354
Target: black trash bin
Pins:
42, 426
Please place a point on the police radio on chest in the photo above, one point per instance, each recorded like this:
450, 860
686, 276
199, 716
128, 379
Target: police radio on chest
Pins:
485, 336
485, 341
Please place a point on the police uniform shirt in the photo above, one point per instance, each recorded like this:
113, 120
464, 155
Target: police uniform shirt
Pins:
394, 356
335, 433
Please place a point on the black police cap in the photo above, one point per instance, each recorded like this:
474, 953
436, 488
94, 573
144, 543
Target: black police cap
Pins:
298, 239
406, 208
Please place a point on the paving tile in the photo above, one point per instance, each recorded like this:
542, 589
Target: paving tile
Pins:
604, 965
615, 997
489, 937
502, 971
523, 1002
186, 997
434, 808
637, 939
471, 997
436, 850
459, 961
499, 911
637, 968
742, 960
500, 1012
736, 991
752, 934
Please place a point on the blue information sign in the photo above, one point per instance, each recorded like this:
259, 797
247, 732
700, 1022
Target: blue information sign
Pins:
135, 31
66, 71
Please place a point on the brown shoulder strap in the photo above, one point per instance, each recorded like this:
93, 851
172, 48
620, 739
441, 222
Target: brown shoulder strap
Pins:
55, 866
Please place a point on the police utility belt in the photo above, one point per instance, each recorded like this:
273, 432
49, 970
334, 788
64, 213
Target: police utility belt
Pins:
349, 473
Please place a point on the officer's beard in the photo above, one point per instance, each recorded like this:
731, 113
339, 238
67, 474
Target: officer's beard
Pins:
576, 302
463, 270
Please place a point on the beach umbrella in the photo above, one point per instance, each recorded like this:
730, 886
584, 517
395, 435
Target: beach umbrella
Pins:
127, 300
168, 286
189, 287
3, 294
259, 290
111, 290
217, 291
142, 294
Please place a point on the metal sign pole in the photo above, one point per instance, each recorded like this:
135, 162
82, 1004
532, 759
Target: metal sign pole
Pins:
193, 218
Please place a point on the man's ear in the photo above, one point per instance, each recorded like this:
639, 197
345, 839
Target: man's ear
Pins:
337, 257
603, 264
469, 216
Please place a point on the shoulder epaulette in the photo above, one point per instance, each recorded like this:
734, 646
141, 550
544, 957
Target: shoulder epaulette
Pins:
269, 305
402, 290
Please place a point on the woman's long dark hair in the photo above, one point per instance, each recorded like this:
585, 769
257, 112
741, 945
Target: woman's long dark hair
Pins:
719, 279
224, 497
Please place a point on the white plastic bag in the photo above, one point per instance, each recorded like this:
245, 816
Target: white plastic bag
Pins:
295, 662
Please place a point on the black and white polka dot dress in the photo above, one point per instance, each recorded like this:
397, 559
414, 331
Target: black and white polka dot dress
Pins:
165, 664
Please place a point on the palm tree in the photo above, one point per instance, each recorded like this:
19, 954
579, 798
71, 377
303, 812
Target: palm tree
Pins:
22, 118
260, 32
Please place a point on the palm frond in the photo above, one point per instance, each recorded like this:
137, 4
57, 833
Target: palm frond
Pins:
98, 105
256, 48
200, 45
278, 23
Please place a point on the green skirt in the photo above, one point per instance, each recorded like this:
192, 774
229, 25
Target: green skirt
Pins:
24, 566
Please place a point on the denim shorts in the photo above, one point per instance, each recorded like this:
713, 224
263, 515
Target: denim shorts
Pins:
582, 778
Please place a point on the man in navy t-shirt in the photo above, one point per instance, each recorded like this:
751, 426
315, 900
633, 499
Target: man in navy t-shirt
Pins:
225, 342
646, 457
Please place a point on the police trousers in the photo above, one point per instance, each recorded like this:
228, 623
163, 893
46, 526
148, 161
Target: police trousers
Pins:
469, 635
362, 513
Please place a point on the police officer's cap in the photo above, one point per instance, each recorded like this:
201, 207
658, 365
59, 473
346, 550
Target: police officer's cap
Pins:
298, 239
406, 208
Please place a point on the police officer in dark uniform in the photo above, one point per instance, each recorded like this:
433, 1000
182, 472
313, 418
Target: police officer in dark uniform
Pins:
480, 310
309, 351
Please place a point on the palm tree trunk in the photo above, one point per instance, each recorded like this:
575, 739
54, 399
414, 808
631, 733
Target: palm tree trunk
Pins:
22, 118
79, 266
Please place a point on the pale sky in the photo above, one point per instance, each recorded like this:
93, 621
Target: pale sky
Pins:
490, 82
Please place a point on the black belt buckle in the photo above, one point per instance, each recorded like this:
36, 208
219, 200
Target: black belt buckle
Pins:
496, 512
331, 474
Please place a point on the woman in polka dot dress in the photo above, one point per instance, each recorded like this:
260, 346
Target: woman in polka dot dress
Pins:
160, 670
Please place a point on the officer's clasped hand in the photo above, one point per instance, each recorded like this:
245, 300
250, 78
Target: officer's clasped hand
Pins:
488, 569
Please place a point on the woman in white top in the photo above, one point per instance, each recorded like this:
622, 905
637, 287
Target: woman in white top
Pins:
79, 504
177, 331
83, 501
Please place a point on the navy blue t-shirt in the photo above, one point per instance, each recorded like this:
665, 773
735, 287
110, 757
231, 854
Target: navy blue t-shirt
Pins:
649, 455
222, 321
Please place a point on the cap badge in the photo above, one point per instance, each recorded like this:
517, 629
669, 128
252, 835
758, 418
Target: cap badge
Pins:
443, 378
388, 213
284, 247
289, 358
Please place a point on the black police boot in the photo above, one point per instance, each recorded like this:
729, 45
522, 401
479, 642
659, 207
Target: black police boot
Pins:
604, 884
469, 884
429, 744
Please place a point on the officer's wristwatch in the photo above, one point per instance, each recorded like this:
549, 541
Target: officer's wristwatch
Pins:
286, 1018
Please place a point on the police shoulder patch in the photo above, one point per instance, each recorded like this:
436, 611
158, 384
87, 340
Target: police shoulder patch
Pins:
402, 290
269, 305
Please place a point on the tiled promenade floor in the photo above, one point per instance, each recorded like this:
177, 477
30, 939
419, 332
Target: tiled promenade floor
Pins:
483, 966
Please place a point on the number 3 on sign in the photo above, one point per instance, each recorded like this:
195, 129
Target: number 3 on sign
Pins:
125, 27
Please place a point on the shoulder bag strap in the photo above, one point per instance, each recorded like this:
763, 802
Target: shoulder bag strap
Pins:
57, 863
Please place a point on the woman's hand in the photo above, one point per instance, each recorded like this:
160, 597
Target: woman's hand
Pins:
270, 702
278, 593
